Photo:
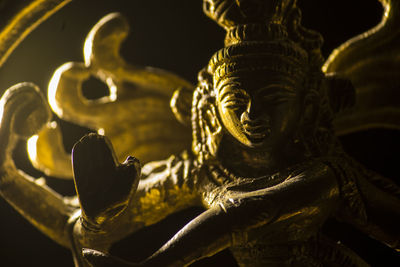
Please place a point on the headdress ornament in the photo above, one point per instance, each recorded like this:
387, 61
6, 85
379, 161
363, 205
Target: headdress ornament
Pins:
257, 38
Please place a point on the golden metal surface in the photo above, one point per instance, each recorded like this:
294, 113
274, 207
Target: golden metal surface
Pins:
371, 62
264, 161
26, 16
46, 152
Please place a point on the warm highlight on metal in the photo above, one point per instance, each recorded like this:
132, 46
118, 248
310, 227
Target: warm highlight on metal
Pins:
254, 143
26, 16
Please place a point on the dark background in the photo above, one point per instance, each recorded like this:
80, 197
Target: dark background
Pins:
176, 36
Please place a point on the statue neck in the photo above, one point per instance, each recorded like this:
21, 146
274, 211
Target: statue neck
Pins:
249, 162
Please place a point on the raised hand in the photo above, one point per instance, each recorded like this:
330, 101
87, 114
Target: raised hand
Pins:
104, 186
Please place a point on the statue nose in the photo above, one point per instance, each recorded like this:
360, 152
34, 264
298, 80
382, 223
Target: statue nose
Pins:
253, 111
248, 117
255, 114
244, 117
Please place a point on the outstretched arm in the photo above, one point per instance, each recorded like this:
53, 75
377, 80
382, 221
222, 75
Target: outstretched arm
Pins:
113, 204
308, 199
24, 113
108, 217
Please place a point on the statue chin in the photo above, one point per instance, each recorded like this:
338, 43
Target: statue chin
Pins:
246, 160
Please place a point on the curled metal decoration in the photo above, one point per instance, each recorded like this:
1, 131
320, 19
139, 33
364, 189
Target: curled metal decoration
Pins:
24, 18
371, 61
261, 156
136, 115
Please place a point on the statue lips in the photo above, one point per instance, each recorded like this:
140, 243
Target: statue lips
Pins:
257, 131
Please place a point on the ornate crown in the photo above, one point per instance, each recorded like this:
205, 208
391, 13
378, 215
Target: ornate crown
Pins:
263, 35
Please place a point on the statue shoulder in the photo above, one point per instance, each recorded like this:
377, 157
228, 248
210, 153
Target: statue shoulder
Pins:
179, 170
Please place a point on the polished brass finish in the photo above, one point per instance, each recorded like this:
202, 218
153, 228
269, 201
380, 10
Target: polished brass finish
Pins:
370, 61
152, 133
264, 160
26, 16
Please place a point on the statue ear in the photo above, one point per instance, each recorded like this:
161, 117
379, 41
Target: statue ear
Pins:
211, 126
341, 92
310, 109
181, 105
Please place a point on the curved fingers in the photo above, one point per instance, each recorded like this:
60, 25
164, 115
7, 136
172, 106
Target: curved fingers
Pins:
23, 112
47, 153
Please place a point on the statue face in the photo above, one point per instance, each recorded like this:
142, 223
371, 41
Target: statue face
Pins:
229, 13
259, 110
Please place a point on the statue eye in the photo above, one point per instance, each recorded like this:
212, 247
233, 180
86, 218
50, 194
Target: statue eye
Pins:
235, 101
276, 98
275, 95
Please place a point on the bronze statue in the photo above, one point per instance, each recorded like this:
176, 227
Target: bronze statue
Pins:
264, 160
